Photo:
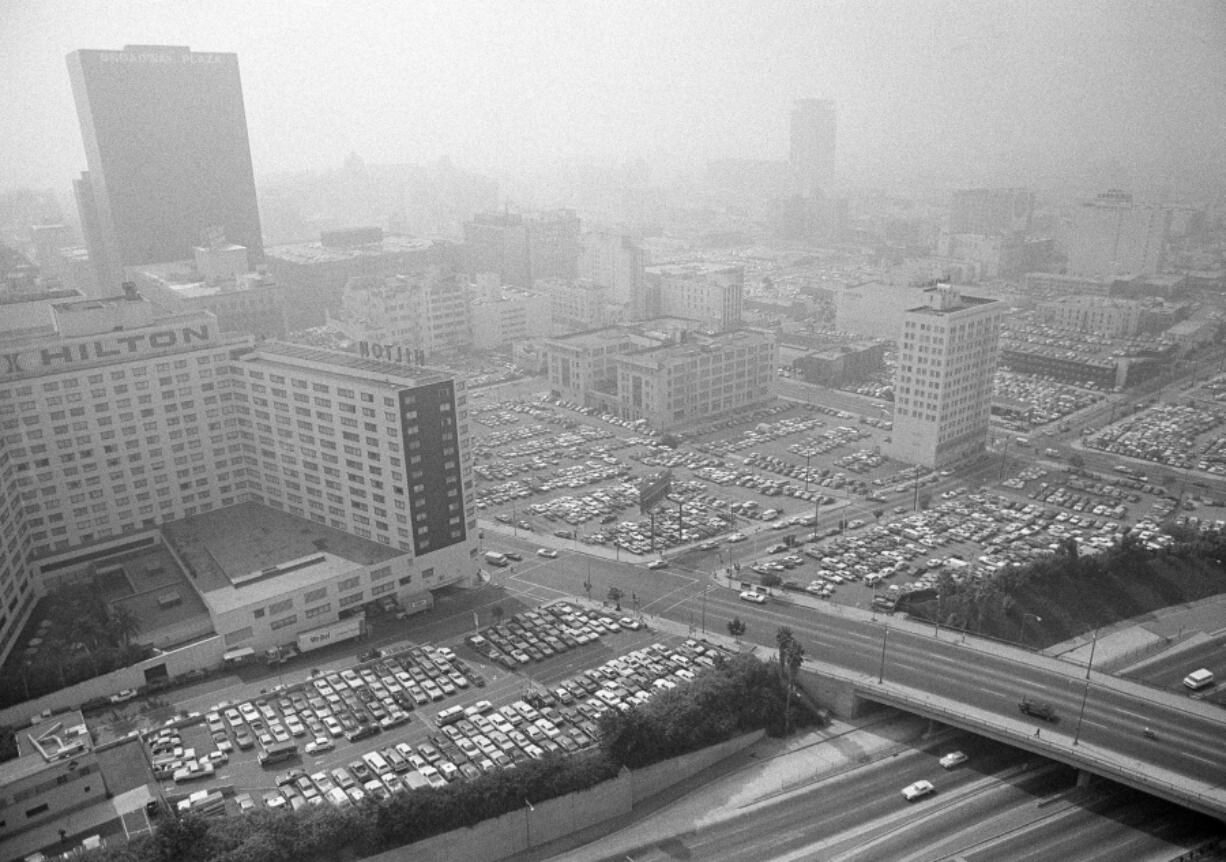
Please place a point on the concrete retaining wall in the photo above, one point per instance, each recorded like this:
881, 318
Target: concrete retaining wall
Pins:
660, 776
201, 654
512, 833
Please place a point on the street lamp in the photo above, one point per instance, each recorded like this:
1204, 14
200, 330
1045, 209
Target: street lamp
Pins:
807, 459
528, 821
1021, 630
1085, 694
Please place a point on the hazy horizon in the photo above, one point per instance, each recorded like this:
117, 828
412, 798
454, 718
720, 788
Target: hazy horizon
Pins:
993, 92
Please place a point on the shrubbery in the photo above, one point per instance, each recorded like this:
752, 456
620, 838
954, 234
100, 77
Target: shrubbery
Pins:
739, 695
1072, 593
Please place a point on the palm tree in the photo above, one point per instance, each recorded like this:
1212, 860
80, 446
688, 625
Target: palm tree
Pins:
783, 638
123, 624
615, 596
736, 627
793, 657
497, 613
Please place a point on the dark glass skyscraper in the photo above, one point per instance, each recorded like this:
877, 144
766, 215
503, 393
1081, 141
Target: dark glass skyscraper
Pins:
169, 162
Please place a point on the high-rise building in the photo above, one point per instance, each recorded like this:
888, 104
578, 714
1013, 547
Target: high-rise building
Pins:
498, 243
991, 211
812, 153
117, 417
947, 356
612, 260
1113, 236
553, 244
165, 138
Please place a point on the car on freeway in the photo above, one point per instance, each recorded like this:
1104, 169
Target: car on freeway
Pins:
753, 596
123, 696
949, 761
917, 790
709, 545
658, 564
1037, 709
630, 623
511, 555
547, 553
319, 744
736, 537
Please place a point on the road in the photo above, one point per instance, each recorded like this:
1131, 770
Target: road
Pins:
1103, 718
1168, 673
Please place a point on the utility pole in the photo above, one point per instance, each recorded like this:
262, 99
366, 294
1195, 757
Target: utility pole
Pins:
885, 633
1085, 694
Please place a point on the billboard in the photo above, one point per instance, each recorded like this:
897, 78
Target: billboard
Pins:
653, 489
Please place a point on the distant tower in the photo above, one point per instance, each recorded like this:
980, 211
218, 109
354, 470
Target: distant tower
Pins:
165, 138
812, 156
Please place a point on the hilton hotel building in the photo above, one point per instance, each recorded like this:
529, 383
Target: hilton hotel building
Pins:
117, 417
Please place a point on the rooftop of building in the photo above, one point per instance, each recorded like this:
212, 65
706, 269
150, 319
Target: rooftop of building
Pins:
697, 343
186, 282
316, 252
342, 366
691, 269
943, 300
655, 330
244, 553
58, 738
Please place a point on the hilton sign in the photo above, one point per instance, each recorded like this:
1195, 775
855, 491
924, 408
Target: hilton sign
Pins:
391, 353
101, 348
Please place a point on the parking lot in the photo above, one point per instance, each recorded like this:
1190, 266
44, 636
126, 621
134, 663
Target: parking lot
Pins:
1185, 434
422, 715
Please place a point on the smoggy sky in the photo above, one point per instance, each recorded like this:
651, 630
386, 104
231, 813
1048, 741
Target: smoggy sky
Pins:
966, 91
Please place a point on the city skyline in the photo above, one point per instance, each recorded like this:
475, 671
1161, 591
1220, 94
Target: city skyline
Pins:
998, 93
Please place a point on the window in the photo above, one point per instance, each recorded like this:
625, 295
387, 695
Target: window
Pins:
238, 636
350, 583
316, 611
280, 607
380, 573
315, 595
381, 589
345, 601
283, 622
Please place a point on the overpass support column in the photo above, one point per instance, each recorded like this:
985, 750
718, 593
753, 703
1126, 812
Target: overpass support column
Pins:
1084, 778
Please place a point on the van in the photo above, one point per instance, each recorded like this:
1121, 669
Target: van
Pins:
496, 559
377, 764
278, 752
1198, 679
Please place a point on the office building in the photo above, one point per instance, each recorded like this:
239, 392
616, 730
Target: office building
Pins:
55, 773
663, 372
522, 248
1111, 236
812, 151
947, 356
503, 315
991, 212
1114, 318
612, 260
315, 273
710, 294
579, 304
165, 137
427, 310
218, 279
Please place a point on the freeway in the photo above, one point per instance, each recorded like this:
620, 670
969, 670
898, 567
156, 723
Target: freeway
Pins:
960, 680
1168, 672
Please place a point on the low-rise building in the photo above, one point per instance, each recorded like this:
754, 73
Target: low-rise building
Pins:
55, 773
501, 315
1116, 318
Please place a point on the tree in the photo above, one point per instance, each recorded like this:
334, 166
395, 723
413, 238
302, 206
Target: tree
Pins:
736, 627
615, 596
122, 624
877, 513
792, 656
497, 613
925, 500
1076, 461
783, 638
